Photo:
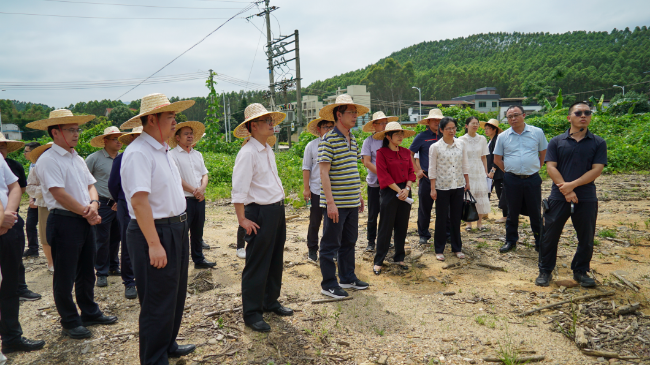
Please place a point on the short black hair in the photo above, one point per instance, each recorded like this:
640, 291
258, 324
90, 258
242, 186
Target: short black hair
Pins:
445, 121
516, 106
579, 102
340, 108
50, 129
323, 122
32, 145
145, 118
492, 127
468, 120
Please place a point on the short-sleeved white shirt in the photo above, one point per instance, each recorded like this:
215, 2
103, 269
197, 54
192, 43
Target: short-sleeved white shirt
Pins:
310, 163
6, 178
148, 167
60, 168
190, 165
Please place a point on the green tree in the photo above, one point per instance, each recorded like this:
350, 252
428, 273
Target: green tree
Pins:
120, 114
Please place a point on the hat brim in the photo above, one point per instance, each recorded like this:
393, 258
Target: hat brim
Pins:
198, 130
327, 112
13, 145
425, 121
482, 124
380, 135
241, 131
100, 142
127, 138
312, 127
38, 151
177, 107
43, 124
370, 126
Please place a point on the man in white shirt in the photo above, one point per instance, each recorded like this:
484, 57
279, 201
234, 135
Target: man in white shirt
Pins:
311, 183
11, 249
258, 197
157, 233
70, 195
194, 177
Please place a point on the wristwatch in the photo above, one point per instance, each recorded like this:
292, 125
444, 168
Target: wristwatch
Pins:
96, 201
408, 188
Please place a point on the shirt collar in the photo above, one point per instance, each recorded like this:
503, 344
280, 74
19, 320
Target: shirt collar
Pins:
258, 146
152, 141
178, 148
567, 135
455, 144
62, 151
106, 153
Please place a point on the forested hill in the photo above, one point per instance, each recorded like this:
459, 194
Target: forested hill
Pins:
517, 64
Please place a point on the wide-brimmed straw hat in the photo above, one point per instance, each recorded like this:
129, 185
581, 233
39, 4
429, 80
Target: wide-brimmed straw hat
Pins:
433, 114
127, 138
60, 117
392, 127
370, 126
254, 111
492, 122
11, 144
327, 112
38, 151
100, 142
154, 104
271, 141
312, 127
197, 127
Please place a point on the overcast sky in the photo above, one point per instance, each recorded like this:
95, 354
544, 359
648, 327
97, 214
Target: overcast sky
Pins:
336, 36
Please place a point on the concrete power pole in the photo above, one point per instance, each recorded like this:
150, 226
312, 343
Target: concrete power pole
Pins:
298, 91
267, 10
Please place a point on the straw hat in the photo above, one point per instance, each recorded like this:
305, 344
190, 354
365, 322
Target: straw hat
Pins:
197, 127
99, 141
38, 151
253, 111
433, 114
11, 144
59, 117
127, 138
327, 112
492, 122
312, 127
391, 127
370, 126
153, 104
271, 141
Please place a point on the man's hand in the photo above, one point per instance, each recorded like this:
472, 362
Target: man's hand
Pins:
419, 174
571, 197
199, 194
333, 212
249, 226
157, 256
306, 194
434, 194
565, 188
114, 207
90, 211
361, 207
403, 194
31, 203
9, 220
94, 221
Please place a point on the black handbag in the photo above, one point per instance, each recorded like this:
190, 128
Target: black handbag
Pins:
470, 214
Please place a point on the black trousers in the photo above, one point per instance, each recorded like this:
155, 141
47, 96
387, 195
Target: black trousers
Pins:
31, 227
424, 209
374, 207
73, 252
11, 255
22, 285
123, 218
449, 210
498, 187
315, 219
339, 239
394, 217
518, 192
262, 275
161, 292
241, 234
584, 222
195, 221
107, 239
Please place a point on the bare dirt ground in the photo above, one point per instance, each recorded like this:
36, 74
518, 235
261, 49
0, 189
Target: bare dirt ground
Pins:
426, 315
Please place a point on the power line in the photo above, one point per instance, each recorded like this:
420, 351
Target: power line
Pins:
195, 44
133, 5
77, 85
99, 17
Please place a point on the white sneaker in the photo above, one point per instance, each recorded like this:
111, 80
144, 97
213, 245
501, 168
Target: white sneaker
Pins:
241, 253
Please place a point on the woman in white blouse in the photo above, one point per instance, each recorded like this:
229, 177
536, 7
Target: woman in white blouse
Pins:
448, 172
477, 150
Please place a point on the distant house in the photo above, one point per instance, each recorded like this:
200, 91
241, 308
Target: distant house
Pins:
432, 104
11, 131
485, 99
507, 102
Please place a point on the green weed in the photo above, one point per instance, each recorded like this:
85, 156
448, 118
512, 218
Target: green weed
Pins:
607, 233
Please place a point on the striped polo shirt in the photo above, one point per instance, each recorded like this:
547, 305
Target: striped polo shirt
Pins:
344, 173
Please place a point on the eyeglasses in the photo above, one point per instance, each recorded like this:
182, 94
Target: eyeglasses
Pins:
380, 123
580, 112
452, 129
73, 130
267, 121
327, 128
513, 116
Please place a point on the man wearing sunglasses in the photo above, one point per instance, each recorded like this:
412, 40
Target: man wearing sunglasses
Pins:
574, 160
520, 152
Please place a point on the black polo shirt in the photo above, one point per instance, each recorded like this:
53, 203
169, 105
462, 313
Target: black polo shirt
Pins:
421, 144
18, 170
574, 159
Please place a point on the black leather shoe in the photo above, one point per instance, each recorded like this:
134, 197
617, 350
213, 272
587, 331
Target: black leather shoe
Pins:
182, 350
283, 311
260, 326
100, 320
370, 248
77, 332
30, 253
509, 246
205, 264
584, 280
544, 279
24, 345
102, 281
424, 240
116, 272
130, 292
204, 245
28, 296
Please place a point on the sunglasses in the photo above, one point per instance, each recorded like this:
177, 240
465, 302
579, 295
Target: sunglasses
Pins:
580, 112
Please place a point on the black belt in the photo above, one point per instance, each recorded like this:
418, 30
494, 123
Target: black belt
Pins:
522, 176
106, 200
171, 220
280, 203
66, 213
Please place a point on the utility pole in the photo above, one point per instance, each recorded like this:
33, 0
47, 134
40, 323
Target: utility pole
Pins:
298, 91
229, 115
225, 120
267, 12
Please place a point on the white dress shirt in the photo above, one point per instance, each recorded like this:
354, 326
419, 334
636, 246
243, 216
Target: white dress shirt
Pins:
255, 176
448, 164
60, 168
148, 167
310, 163
34, 187
6, 178
190, 165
